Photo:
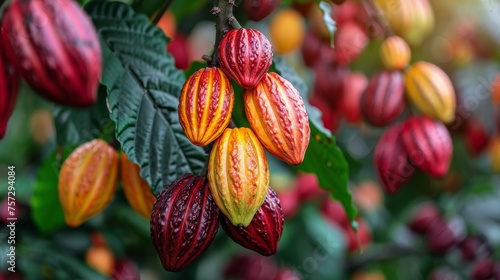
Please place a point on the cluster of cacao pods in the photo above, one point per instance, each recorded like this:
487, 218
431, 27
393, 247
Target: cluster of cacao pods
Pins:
88, 180
186, 216
53, 46
442, 235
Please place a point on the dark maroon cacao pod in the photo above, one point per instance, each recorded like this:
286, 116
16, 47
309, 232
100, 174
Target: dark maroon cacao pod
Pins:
250, 267
425, 215
440, 237
54, 47
329, 81
125, 269
391, 160
184, 221
482, 270
9, 87
263, 234
476, 137
383, 101
311, 48
245, 55
428, 144
473, 247
257, 10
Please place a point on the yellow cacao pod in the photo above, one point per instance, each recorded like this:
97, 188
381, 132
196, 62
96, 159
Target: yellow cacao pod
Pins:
136, 189
87, 181
205, 105
423, 21
238, 174
395, 53
278, 116
431, 91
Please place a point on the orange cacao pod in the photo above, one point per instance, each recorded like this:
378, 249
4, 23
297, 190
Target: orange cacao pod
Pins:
245, 55
238, 174
136, 189
395, 53
87, 181
431, 90
101, 259
278, 116
55, 48
205, 105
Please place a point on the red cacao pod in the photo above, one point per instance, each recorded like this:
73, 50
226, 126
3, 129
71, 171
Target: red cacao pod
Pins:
334, 213
9, 87
125, 269
245, 55
440, 237
329, 116
355, 85
184, 222
329, 82
287, 274
55, 49
350, 41
179, 49
263, 234
257, 10
87, 181
289, 202
383, 101
473, 247
311, 48
250, 267
205, 105
391, 160
482, 270
428, 144
476, 138
278, 116
423, 218
307, 187
239, 175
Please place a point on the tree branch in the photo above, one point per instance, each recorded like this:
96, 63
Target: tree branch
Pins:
160, 13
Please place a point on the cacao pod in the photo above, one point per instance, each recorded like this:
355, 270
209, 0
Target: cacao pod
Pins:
495, 89
395, 53
494, 154
383, 101
136, 189
263, 234
287, 30
329, 82
245, 55
354, 86
205, 105
311, 49
430, 89
423, 21
440, 237
476, 137
101, 259
425, 215
250, 267
428, 144
350, 41
184, 222
360, 240
334, 213
287, 273
257, 10
238, 174
482, 270
473, 247
55, 48
391, 160
9, 87
278, 116
125, 269
329, 115
87, 181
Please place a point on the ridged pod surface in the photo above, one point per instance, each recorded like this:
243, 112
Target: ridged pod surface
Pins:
205, 105
350, 41
383, 101
395, 53
257, 10
9, 87
136, 189
184, 222
87, 181
431, 90
428, 144
238, 174
278, 116
245, 55
263, 234
55, 48
391, 160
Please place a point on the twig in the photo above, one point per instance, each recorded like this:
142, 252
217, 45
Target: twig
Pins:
225, 22
163, 9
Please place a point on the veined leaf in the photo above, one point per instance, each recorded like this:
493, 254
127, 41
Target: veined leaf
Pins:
143, 89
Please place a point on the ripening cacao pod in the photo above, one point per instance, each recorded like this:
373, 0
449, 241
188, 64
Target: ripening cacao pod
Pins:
423, 21
482, 270
395, 53
424, 216
55, 48
286, 31
354, 86
238, 174
136, 189
476, 137
205, 105
350, 41
9, 87
257, 10
278, 116
440, 237
101, 259
474, 247
391, 160
430, 89
428, 144
330, 81
263, 234
383, 101
245, 55
87, 181
184, 222
311, 49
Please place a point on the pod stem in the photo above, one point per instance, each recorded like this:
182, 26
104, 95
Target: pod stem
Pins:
160, 13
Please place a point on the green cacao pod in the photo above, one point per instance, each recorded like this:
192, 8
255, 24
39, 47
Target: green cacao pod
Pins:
238, 174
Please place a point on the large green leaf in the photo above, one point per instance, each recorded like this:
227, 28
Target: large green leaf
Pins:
323, 157
143, 88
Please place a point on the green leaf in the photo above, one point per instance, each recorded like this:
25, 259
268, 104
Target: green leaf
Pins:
77, 126
46, 211
143, 89
323, 157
